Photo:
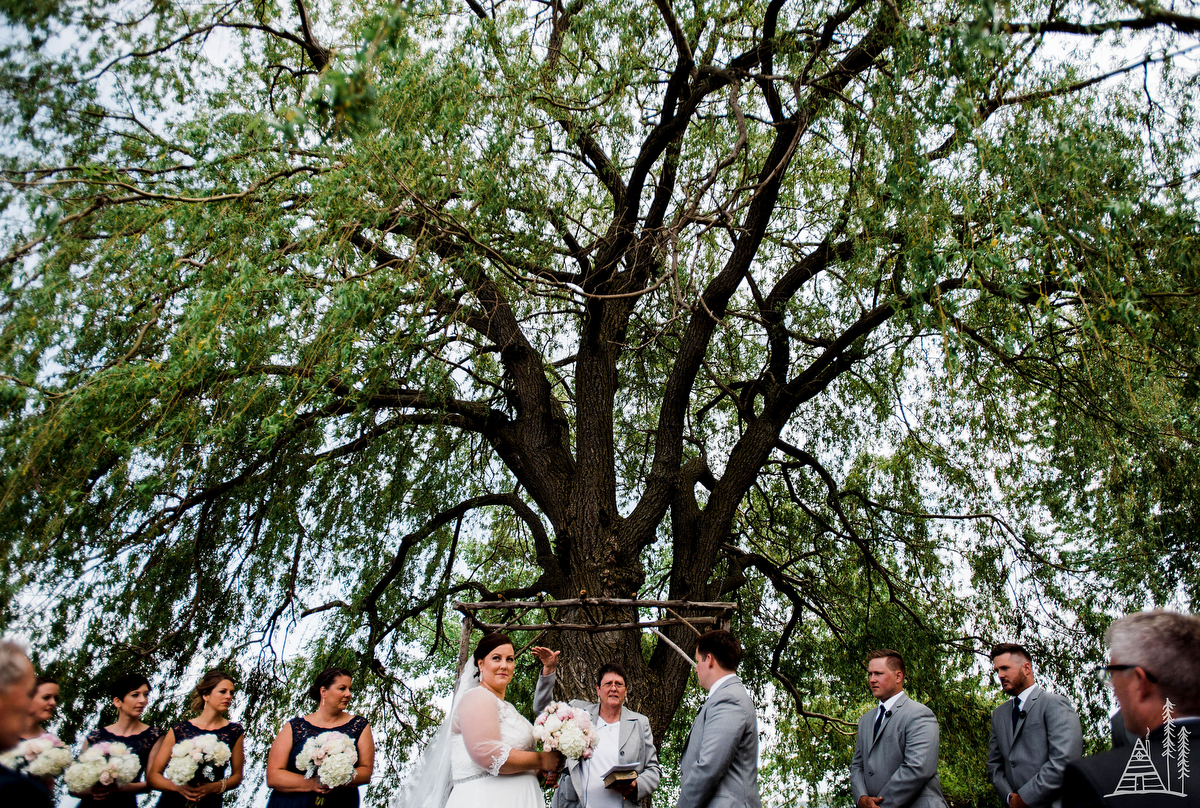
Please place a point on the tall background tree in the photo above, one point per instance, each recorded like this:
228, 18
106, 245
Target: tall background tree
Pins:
878, 317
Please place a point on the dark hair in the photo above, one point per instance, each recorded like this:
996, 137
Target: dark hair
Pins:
893, 658
44, 680
489, 643
206, 685
611, 667
1010, 648
122, 686
723, 646
326, 678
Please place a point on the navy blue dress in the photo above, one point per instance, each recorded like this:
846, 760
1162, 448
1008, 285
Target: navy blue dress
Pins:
186, 729
140, 745
343, 797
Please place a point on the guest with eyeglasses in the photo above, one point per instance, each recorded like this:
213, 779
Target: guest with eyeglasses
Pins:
1154, 670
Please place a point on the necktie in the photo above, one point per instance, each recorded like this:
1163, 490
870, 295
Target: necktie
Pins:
1016, 713
878, 722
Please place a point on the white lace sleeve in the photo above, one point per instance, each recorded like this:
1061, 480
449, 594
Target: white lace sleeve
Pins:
478, 718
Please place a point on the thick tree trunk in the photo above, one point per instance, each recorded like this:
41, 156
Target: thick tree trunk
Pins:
607, 563
654, 688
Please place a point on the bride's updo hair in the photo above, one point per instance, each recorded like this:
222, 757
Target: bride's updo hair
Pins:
487, 644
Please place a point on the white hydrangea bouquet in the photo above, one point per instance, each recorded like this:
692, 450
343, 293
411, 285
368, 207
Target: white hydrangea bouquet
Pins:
196, 758
566, 729
109, 764
331, 757
44, 756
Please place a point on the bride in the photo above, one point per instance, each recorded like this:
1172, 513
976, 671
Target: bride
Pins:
483, 754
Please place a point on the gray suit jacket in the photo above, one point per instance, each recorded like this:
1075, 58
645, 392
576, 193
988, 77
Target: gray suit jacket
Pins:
900, 765
1032, 759
636, 746
719, 768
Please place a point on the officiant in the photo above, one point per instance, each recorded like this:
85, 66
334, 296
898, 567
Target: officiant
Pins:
624, 754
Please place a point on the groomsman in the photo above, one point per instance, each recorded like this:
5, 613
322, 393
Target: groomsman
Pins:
1155, 673
720, 759
1035, 734
17, 684
896, 753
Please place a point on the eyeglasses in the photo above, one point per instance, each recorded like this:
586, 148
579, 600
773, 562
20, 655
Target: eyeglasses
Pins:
1105, 672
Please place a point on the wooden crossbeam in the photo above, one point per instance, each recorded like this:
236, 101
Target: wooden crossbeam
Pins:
593, 628
469, 620
553, 604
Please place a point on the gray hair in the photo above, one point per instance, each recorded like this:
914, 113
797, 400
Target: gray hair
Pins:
12, 654
1167, 646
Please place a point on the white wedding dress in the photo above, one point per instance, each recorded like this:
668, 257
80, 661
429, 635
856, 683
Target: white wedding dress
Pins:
483, 731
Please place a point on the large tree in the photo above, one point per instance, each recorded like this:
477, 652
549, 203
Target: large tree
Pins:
874, 316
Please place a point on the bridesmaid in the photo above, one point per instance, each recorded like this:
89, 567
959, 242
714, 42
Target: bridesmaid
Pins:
45, 702
41, 710
130, 695
290, 789
210, 699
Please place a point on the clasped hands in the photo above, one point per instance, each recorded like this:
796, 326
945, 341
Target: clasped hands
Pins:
195, 793
99, 791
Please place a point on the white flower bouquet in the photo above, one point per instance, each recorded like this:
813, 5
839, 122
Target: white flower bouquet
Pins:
105, 764
196, 758
331, 757
44, 756
566, 729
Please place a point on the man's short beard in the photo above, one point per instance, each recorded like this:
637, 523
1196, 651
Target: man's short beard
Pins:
1017, 683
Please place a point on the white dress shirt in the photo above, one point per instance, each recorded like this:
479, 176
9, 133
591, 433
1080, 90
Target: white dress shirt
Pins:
1024, 695
591, 771
890, 703
720, 682
1021, 697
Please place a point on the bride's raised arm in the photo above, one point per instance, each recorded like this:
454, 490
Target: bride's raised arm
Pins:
478, 719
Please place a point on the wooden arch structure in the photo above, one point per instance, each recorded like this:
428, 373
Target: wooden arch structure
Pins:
705, 616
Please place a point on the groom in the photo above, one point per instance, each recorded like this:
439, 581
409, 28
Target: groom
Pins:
720, 758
